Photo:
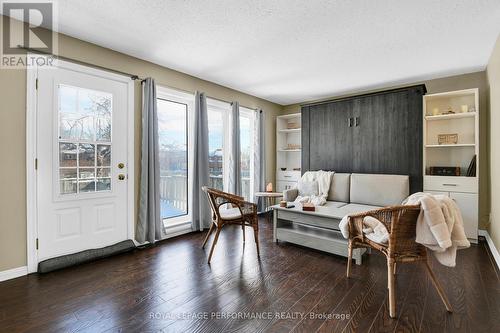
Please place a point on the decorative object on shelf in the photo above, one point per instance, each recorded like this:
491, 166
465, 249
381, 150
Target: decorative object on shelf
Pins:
297, 169
447, 139
308, 207
282, 203
269, 187
292, 125
464, 108
293, 146
444, 171
283, 169
449, 110
471, 170
435, 112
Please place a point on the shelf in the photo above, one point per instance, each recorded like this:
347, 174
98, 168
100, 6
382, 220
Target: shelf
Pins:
451, 145
451, 116
290, 116
290, 130
289, 150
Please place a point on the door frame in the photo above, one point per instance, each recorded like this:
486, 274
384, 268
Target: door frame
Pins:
31, 149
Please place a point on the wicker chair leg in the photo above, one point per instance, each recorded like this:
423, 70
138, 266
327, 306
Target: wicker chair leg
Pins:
214, 243
208, 235
438, 287
349, 259
256, 236
395, 267
392, 291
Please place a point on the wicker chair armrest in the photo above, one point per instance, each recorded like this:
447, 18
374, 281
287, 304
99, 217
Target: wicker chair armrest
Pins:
386, 215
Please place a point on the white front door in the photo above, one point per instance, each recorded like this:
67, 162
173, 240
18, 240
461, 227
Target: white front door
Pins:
82, 179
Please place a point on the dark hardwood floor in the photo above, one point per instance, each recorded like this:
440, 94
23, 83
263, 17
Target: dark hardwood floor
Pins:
171, 288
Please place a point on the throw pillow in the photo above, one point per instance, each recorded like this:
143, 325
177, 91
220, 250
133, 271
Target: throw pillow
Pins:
307, 189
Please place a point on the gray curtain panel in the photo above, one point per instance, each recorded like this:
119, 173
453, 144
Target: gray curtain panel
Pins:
259, 157
235, 154
149, 227
201, 208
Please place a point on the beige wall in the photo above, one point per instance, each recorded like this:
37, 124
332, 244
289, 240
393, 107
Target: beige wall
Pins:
13, 134
493, 75
464, 81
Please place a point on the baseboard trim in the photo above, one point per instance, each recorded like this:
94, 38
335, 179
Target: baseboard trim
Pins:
492, 247
13, 273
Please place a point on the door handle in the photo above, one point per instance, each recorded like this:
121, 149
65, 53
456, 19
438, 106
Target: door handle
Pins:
356, 121
350, 122
121, 176
121, 165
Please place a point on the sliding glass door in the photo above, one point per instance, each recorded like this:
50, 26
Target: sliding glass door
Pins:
174, 133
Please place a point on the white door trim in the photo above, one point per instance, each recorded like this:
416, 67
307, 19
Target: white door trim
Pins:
31, 175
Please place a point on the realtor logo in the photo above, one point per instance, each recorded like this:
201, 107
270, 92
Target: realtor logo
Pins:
27, 25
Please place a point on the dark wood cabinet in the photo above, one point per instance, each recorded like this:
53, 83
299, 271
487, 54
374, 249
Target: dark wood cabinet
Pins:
375, 133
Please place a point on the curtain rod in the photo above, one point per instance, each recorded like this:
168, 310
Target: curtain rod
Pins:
132, 76
214, 98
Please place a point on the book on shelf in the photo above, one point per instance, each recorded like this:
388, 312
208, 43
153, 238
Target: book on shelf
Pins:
471, 170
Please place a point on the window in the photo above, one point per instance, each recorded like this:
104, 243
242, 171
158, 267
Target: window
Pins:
247, 137
174, 110
84, 140
219, 143
218, 125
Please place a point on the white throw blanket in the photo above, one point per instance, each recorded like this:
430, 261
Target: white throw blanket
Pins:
324, 179
373, 229
440, 226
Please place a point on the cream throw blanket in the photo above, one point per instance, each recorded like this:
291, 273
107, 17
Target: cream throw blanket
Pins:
324, 179
440, 226
373, 229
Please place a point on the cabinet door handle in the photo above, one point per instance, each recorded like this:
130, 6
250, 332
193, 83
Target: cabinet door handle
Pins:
287, 176
350, 122
356, 122
449, 184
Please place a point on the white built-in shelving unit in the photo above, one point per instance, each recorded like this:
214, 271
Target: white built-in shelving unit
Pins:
464, 188
288, 151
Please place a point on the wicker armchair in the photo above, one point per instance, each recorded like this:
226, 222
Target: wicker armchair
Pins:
400, 222
242, 213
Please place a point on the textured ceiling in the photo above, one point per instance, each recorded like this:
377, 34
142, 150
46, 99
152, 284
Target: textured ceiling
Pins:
289, 51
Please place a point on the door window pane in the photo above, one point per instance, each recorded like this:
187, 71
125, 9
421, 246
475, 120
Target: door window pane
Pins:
103, 155
172, 132
86, 155
216, 148
84, 125
68, 186
67, 154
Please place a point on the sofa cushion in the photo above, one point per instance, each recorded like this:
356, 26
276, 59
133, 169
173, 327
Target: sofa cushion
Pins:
379, 190
339, 188
230, 213
355, 208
